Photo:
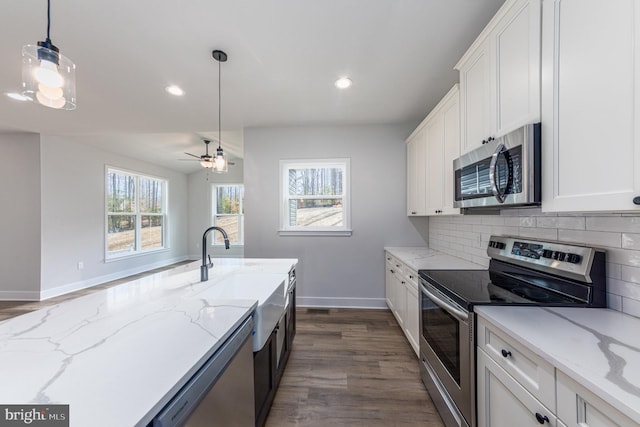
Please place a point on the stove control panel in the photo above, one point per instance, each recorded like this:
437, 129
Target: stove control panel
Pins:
557, 258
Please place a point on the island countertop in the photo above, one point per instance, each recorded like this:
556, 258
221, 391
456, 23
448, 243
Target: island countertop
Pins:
118, 355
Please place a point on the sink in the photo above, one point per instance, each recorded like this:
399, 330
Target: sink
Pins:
268, 289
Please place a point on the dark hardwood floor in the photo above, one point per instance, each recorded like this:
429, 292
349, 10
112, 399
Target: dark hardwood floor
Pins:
351, 367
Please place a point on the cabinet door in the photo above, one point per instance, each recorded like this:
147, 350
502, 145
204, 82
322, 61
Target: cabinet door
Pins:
435, 158
389, 283
578, 407
590, 105
475, 100
517, 41
400, 303
412, 320
451, 149
416, 174
503, 402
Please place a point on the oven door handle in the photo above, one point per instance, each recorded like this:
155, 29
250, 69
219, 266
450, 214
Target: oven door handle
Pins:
461, 315
492, 174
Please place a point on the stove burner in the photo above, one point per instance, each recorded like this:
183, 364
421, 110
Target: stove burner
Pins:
533, 294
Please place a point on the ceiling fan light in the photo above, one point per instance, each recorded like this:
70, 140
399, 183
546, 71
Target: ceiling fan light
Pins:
206, 164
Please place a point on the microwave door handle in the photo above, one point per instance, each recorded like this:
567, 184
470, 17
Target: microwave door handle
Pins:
492, 174
461, 315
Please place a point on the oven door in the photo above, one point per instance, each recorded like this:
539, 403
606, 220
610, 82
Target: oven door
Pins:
445, 347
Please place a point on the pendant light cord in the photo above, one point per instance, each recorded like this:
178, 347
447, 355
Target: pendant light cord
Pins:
219, 104
48, 19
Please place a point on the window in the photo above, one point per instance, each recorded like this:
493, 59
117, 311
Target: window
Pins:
315, 197
228, 212
136, 213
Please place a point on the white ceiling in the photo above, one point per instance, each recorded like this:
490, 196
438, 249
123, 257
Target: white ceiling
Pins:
284, 56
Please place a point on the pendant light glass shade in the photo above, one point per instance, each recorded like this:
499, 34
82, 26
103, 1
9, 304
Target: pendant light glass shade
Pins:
48, 77
220, 161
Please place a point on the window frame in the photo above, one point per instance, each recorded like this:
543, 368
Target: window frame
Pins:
137, 214
214, 213
288, 230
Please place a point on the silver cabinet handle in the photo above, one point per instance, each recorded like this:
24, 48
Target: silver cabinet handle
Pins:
492, 173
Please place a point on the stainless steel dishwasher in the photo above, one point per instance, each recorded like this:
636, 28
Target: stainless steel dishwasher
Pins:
221, 392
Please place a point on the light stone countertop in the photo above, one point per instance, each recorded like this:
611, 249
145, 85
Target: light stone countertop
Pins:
422, 258
117, 356
597, 348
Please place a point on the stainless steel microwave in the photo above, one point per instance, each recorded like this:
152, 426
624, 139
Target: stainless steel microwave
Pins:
502, 172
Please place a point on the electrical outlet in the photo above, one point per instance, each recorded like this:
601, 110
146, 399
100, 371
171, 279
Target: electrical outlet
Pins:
80, 265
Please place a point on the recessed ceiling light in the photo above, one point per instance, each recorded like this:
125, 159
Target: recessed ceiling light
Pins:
343, 83
174, 90
17, 96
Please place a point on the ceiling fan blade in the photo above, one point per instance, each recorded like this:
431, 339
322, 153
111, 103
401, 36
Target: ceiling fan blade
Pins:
192, 155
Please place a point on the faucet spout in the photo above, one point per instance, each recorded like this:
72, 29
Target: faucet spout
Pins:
204, 268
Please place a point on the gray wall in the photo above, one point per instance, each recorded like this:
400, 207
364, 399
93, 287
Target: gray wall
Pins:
333, 271
200, 208
20, 216
53, 217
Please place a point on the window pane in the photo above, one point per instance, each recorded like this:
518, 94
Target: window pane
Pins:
230, 224
229, 199
151, 195
315, 182
121, 234
316, 213
121, 192
151, 233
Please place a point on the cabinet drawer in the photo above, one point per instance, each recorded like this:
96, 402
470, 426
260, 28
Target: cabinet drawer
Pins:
411, 277
578, 407
530, 370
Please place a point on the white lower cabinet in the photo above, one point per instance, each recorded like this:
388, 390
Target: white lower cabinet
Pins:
516, 387
503, 402
578, 407
401, 287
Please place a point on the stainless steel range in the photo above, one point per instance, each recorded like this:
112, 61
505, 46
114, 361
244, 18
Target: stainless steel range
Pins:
521, 272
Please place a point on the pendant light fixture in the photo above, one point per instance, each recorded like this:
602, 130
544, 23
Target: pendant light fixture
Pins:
220, 163
48, 77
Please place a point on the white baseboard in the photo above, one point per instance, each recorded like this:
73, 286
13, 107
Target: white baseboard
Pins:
325, 302
83, 284
19, 295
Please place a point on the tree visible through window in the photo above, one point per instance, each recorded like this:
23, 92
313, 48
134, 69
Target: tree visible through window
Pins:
136, 213
315, 195
228, 212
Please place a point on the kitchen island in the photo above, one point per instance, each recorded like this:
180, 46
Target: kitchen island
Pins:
118, 356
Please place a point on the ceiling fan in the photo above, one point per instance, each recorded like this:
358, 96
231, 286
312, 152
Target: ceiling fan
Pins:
206, 160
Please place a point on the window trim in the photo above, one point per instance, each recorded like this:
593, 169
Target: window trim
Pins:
115, 256
214, 209
288, 230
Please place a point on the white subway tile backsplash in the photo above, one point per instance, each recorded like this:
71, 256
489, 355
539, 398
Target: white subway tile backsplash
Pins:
538, 233
627, 224
614, 271
630, 274
565, 222
594, 238
624, 289
631, 241
623, 256
631, 306
614, 301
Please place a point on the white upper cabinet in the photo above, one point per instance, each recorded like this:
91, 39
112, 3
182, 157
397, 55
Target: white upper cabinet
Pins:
431, 149
417, 173
500, 75
591, 105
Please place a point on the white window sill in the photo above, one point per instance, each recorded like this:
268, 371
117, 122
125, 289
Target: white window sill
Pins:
336, 233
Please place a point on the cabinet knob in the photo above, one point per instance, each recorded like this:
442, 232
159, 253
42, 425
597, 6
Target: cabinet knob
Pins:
391, 270
636, 200
484, 141
542, 418
505, 353
413, 212
491, 139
